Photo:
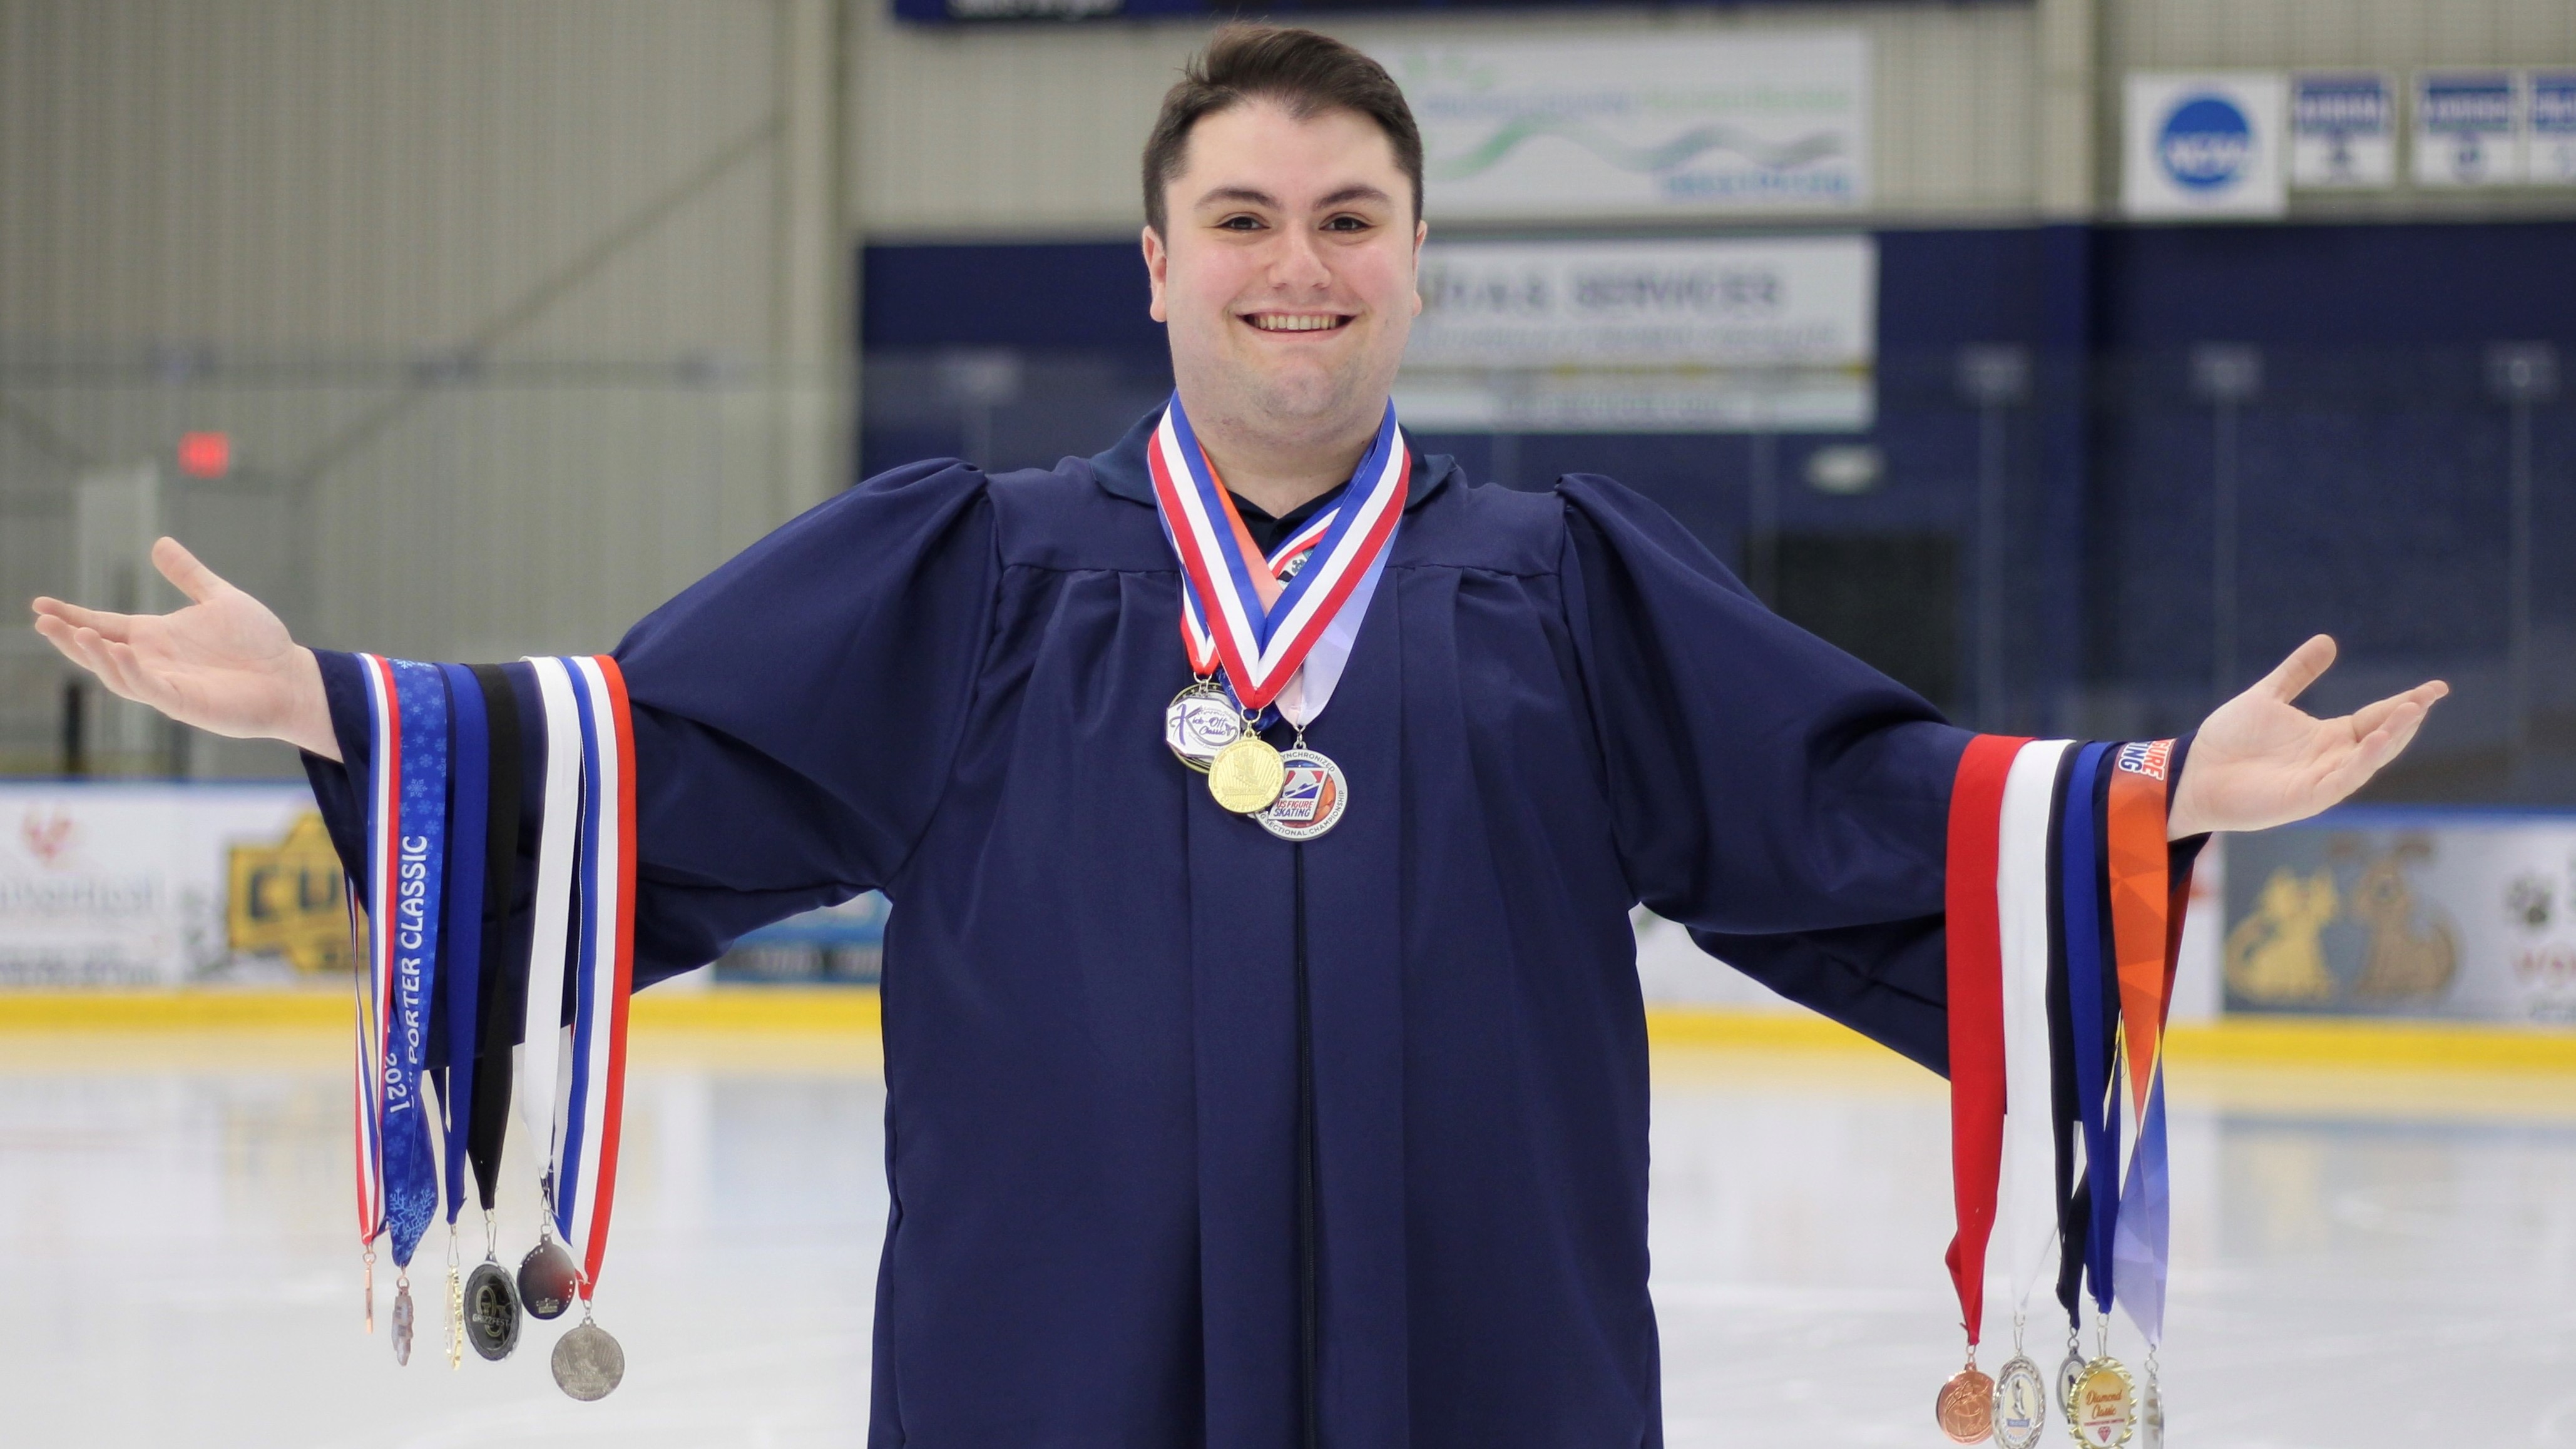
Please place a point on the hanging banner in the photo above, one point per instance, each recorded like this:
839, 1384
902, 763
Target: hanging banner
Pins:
2205, 145
2550, 146
1653, 124
1723, 335
2468, 128
2343, 130
2387, 912
161, 884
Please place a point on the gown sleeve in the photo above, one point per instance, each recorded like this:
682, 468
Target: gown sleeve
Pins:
1785, 802
795, 713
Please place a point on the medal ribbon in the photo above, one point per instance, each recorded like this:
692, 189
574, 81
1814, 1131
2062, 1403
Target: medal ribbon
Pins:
1263, 631
2030, 1206
1976, 1013
2144, 929
406, 866
593, 1109
469, 807
550, 941
2092, 1020
500, 1003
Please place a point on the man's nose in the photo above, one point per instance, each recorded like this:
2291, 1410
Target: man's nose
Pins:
1299, 262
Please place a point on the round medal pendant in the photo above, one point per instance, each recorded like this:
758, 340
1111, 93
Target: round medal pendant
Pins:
2151, 1416
2070, 1373
491, 1312
402, 1324
587, 1362
1310, 798
2021, 1405
1965, 1409
546, 1279
2104, 1411
1200, 721
1246, 775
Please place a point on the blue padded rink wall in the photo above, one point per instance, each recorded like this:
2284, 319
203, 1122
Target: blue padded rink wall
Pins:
2366, 1257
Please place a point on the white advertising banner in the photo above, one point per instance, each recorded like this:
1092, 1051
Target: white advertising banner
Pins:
161, 884
1658, 336
1654, 124
2550, 145
2405, 913
2205, 145
2343, 129
2468, 128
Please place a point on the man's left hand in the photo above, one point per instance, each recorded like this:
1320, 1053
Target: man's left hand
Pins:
2260, 761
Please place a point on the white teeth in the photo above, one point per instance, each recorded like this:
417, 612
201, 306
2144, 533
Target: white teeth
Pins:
1273, 322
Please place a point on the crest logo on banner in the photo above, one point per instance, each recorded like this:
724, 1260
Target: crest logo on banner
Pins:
2206, 145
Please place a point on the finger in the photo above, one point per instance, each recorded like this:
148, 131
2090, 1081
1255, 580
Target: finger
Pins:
115, 669
2293, 675
114, 626
183, 570
2375, 750
59, 634
2371, 716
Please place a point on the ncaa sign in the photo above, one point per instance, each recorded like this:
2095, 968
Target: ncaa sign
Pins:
2205, 145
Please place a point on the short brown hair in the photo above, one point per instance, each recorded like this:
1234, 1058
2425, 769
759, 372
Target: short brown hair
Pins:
1308, 73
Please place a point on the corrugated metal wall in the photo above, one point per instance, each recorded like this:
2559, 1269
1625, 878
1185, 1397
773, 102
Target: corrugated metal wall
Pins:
1034, 130
491, 296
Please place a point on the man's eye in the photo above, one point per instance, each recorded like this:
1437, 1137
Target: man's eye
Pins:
1240, 223
1347, 223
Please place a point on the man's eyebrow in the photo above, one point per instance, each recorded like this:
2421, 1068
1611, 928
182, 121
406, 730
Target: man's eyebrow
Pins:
1253, 196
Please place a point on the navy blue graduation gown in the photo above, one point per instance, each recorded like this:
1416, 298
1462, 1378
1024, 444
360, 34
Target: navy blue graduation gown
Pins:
950, 687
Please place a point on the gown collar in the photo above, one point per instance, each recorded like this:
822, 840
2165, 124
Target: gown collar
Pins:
1121, 471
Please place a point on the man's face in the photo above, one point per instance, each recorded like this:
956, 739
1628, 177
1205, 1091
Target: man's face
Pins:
1287, 277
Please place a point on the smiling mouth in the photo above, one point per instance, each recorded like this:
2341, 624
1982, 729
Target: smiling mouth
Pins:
1297, 321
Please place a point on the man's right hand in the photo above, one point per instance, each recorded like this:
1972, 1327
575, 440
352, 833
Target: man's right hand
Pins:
224, 664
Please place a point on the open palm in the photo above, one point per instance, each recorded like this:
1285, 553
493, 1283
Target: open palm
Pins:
224, 663
2259, 760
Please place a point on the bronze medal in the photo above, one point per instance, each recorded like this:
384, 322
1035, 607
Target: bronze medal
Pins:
1246, 776
546, 1279
1965, 1409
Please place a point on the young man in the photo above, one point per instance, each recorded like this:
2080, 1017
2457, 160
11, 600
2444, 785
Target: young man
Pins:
1222, 1113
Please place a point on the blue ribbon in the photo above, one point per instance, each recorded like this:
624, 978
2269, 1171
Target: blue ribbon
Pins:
420, 845
469, 811
2096, 1077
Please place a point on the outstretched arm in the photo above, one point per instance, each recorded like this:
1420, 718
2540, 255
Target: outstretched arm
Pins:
224, 663
2260, 761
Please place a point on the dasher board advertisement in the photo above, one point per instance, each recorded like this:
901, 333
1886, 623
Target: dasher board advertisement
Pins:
1775, 333
113, 885
1654, 124
2387, 912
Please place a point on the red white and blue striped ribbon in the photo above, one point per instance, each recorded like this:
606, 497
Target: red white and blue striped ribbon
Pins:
1260, 631
587, 867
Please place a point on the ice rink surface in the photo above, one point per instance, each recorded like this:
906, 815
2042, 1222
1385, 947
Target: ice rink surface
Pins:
2363, 1260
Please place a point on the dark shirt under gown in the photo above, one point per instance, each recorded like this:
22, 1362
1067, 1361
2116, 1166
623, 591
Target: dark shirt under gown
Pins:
950, 687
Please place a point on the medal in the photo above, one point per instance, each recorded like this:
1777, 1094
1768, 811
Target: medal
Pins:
491, 1312
2103, 1411
1245, 776
2070, 1373
2021, 1404
1200, 721
1965, 1408
1279, 627
1311, 796
402, 1320
546, 1279
587, 1362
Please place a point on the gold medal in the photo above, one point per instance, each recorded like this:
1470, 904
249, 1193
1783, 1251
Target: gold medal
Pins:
2103, 1412
1965, 1409
1246, 776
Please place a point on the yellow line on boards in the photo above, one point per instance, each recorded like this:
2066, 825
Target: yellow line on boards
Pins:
2318, 1041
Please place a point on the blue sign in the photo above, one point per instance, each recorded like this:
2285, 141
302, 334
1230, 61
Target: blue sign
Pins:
2206, 143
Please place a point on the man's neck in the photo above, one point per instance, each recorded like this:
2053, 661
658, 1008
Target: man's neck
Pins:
1279, 475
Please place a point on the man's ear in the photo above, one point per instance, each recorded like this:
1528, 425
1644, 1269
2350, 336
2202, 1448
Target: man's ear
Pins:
1157, 262
1421, 230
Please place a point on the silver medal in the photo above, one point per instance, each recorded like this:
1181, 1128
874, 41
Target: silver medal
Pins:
402, 1321
1312, 800
587, 1362
2021, 1404
1200, 721
2069, 1374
